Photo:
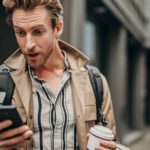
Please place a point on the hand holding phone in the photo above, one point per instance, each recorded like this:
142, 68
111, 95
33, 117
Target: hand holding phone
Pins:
10, 139
10, 113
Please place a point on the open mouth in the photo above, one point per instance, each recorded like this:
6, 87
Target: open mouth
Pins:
34, 55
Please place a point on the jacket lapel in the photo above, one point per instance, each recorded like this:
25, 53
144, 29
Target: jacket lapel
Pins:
23, 85
78, 89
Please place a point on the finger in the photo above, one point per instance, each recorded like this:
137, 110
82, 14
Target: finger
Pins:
9, 147
5, 124
16, 140
108, 144
88, 134
13, 132
101, 148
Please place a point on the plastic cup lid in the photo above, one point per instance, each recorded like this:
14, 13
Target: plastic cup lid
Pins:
102, 132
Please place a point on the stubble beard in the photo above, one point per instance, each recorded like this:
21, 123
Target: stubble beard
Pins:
34, 64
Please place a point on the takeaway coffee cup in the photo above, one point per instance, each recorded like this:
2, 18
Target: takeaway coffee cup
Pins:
96, 134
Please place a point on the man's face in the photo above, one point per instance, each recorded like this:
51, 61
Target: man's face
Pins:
35, 36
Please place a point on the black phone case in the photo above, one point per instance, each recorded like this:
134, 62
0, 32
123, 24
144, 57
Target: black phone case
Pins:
10, 113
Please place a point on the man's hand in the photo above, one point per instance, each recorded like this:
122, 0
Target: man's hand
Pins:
106, 145
9, 139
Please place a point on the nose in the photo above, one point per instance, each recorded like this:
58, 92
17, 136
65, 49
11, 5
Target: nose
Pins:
30, 43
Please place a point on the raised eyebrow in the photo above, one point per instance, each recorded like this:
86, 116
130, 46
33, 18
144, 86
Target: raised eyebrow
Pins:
38, 27
16, 27
34, 27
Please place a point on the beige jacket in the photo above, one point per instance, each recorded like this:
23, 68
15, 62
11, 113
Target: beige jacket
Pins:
83, 96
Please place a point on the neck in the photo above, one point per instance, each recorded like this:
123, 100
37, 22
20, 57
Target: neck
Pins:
55, 66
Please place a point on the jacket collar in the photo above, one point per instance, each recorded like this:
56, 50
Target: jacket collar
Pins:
75, 58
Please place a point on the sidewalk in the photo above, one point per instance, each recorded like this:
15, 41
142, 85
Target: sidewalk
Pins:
143, 143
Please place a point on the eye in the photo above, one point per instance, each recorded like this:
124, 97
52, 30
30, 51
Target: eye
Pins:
38, 32
20, 33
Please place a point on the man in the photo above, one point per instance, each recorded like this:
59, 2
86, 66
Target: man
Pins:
53, 93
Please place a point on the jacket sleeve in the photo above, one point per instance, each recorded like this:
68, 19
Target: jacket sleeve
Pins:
107, 106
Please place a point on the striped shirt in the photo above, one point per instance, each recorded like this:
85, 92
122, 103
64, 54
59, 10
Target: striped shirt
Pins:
54, 121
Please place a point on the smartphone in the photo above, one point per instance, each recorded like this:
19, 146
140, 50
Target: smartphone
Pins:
10, 113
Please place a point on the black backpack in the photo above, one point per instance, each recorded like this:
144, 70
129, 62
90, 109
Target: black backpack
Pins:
7, 87
97, 84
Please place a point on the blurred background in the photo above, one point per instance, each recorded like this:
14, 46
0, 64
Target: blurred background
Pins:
115, 35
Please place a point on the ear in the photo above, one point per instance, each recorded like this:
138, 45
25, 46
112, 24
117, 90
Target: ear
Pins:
59, 28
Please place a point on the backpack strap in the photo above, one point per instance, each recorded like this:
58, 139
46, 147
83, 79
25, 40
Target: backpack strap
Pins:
96, 81
6, 85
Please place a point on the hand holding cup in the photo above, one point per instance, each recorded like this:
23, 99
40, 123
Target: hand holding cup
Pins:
100, 136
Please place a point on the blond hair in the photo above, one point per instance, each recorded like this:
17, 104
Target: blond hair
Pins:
53, 6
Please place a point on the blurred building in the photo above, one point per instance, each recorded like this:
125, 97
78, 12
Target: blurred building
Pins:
115, 34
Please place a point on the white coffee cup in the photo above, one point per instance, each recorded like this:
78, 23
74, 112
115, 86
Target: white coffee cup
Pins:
96, 134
